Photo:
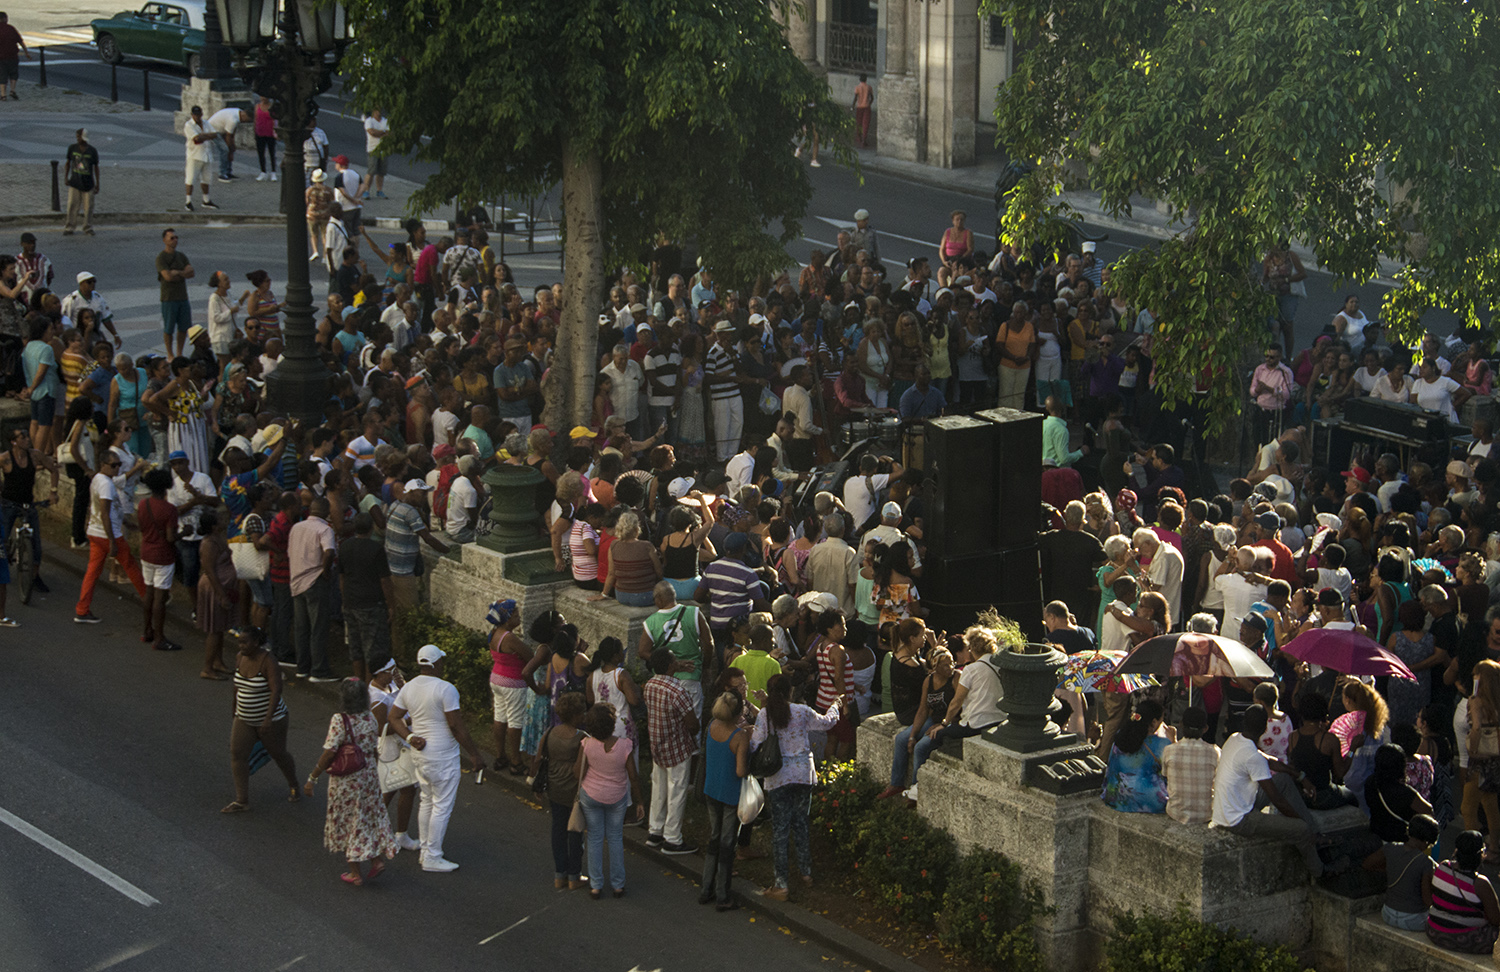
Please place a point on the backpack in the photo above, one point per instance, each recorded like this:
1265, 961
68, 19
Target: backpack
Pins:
444, 485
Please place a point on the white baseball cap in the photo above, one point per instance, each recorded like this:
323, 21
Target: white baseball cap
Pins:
860, 214
679, 487
84, 275
418, 485
430, 655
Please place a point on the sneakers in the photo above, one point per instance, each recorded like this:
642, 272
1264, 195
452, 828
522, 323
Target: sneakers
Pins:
313, 258
655, 840
438, 865
406, 843
323, 678
188, 205
273, 177
209, 205
262, 177
816, 164
85, 618
676, 850
381, 195
88, 231
291, 665
228, 178
8, 623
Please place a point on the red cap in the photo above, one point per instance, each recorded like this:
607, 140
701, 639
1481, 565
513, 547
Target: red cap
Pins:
341, 160
1358, 473
443, 451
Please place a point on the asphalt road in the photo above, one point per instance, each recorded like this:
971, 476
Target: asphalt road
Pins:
121, 755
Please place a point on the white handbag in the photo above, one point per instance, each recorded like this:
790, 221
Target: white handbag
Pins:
249, 562
395, 766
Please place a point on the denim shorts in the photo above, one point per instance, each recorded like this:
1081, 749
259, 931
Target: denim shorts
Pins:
44, 409
176, 315
262, 591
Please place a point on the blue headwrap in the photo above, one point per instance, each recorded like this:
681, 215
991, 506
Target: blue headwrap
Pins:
500, 612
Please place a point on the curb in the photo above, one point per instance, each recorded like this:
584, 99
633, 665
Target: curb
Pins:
208, 219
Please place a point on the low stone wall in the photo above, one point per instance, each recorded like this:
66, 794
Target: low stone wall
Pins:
1094, 863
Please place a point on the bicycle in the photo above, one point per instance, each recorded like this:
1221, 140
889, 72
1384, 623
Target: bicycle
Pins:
18, 549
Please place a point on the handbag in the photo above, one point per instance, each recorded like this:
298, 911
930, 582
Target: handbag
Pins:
766, 760
348, 758
577, 824
249, 562
1297, 288
752, 800
395, 765
1484, 740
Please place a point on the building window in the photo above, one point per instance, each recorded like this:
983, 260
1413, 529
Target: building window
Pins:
851, 36
994, 33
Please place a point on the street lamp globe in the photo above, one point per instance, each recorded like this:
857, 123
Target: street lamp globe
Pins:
245, 24
322, 26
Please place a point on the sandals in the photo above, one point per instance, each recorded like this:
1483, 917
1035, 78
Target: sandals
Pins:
295, 796
214, 676
376, 869
236, 807
353, 879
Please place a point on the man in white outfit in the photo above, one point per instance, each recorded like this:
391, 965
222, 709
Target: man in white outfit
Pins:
436, 734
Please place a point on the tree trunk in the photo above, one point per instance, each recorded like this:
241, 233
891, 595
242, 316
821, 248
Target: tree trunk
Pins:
569, 395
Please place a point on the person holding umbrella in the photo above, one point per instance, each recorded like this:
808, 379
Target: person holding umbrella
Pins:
1361, 730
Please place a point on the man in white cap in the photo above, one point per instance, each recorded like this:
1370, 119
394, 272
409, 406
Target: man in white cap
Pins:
889, 532
863, 235
318, 198
437, 735
88, 296
82, 178
1090, 264
405, 531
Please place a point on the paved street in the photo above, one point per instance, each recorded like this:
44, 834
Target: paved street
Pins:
121, 754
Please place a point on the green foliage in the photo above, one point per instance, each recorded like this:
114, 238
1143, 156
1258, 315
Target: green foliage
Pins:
468, 661
1008, 634
1181, 943
1321, 123
988, 912
690, 104
906, 861
841, 805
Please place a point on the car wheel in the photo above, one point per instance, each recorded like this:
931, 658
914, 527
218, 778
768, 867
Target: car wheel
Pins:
109, 50
192, 64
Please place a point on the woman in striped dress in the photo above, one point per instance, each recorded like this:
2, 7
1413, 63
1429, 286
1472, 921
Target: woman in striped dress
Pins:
1463, 914
835, 682
260, 715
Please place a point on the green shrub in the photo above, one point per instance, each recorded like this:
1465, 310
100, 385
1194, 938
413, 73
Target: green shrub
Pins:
906, 862
1180, 942
841, 806
988, 912
468, 663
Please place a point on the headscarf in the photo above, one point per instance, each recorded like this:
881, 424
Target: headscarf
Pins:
1125, 500
501, 612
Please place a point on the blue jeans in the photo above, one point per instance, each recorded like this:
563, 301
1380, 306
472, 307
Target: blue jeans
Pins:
567, 847
635, 599
221, 157
927, 744
9, 513
900, 757
606, 821
790, 806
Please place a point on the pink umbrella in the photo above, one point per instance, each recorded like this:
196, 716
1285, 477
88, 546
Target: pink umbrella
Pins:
1347, 651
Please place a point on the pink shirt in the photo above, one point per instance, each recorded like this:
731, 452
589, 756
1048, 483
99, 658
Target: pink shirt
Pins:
265, 125
606, 780
1278, 380
305, 546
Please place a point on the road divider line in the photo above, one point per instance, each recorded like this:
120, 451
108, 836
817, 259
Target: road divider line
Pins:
506, 929
78, 860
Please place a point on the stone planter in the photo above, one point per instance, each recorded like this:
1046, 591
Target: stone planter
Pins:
1029, 680
515, 523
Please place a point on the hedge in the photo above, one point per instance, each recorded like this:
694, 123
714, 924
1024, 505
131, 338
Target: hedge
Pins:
468, 661
1180, 942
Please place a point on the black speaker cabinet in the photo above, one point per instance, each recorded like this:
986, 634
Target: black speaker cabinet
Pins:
956, 588
959, 456
1017, 490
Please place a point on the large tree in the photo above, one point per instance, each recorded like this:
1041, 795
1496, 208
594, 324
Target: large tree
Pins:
1366, 130
672, 116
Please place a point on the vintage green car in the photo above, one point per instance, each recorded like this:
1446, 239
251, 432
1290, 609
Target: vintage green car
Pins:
158, 31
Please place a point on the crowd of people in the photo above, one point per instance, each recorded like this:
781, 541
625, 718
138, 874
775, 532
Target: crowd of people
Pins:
772, 617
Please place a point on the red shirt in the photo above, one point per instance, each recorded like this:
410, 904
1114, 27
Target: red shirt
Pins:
425, 271
277, 533
10, 43
1286, 568
156, 517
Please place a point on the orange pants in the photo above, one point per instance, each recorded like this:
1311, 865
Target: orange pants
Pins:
99, 549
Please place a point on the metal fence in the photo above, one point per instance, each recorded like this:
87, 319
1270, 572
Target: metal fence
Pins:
851, 47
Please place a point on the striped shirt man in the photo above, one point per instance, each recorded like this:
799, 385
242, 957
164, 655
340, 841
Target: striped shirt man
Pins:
720, 364
731, 587
403, 523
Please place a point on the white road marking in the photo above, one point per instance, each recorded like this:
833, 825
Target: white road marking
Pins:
283, 968
506, 929
76, 859
121, 957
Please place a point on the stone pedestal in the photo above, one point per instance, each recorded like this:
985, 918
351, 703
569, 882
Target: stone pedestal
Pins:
516, 525
213, 96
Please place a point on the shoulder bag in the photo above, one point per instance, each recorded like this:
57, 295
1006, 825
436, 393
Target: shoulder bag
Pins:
1484, 738
394, 765
250, 562
766, 760
348, 758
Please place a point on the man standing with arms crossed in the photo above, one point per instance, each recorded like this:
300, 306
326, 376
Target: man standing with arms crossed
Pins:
173, 271
436, 735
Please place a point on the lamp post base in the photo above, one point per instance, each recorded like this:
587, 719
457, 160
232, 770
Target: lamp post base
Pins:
299, 388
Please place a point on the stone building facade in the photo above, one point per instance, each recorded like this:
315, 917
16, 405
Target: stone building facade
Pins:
934, 64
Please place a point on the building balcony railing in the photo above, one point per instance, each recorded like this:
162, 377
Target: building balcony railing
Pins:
851, 47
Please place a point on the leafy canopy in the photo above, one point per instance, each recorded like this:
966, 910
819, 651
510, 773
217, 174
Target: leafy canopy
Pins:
689, 104
1363, 128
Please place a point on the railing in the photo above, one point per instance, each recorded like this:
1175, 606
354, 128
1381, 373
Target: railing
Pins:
851, 47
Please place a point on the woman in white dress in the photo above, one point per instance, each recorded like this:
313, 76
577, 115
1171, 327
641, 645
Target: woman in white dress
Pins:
1350, 323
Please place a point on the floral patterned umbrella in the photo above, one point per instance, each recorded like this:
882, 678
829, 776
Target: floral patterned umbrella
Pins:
1094, 671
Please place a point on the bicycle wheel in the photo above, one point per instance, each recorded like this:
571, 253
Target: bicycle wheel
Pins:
22, 567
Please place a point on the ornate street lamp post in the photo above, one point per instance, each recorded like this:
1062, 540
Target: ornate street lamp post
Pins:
280, 49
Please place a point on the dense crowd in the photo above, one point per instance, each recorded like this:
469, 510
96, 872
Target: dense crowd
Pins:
779, 613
